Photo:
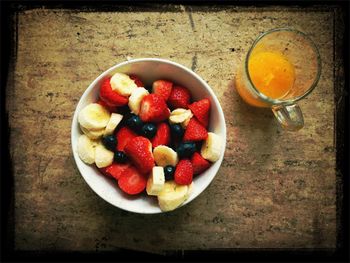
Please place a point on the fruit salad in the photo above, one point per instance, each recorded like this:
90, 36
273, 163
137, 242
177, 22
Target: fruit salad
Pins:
151, 140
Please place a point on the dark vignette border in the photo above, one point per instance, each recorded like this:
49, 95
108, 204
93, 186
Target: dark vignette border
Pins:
341, 87
6, 178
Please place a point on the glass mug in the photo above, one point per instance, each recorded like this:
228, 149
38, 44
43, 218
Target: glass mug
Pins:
282, 66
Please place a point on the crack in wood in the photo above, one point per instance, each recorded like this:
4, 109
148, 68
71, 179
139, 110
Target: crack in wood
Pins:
194, 62
189, 13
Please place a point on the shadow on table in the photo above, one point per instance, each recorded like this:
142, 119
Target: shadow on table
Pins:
255, 129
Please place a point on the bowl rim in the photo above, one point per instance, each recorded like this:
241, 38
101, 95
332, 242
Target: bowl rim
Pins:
161, 60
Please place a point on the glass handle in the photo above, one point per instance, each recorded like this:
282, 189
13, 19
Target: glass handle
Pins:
289, 116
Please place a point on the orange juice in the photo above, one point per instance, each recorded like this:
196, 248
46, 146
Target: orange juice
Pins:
271, 73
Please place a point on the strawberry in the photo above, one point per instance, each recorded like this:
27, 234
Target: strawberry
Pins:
132, 181
111, 97
124, 135
195, 131
200, 110
162, 88
139, 150
108, 107
199, 164
114, 170
183, 172
162, 136
153, 109
179, 97
137, 80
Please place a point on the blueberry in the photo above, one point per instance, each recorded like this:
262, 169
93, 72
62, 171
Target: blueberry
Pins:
124, 110
186, 149
169, 172
120, 157
110, 142
176, 131
149, 130
199, 146
134, 122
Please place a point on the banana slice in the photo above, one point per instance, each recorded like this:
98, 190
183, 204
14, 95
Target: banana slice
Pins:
156, 180
190, 190
172, 196
86, 149
94, 117
113, 123
181, 116
211, 148
185, 123
136, 98
103, 156
123, 84
164, 155
94, 135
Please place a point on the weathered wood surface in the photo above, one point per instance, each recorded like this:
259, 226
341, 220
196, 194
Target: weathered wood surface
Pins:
275, 189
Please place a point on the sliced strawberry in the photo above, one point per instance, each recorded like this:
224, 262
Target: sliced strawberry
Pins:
200, 110
153, 109
162, 136
162, 88
111, 97
124, 135
114, 170
108, 107
180, 97
132, 181
195, 131
183, 172
139, 150
104, 172
199, 164
137, 80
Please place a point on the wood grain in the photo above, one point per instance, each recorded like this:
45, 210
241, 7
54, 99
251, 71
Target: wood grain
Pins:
275, 189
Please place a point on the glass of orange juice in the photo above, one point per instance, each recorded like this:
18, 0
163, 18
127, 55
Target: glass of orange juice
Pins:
282, 66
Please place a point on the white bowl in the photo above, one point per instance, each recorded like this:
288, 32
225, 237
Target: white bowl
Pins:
149, 70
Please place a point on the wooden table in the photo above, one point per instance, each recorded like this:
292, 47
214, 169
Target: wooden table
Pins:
275, 189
